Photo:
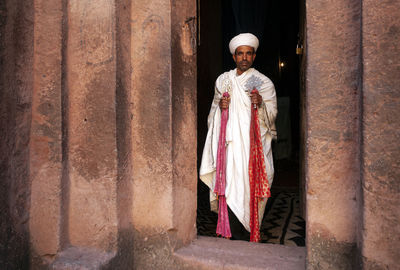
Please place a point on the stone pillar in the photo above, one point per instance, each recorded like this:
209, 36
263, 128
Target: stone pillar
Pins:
332, 140
124, 139
152, 113
46, 134
163, 127
151, 132
91, 136
184, 115
381, 137
16, 83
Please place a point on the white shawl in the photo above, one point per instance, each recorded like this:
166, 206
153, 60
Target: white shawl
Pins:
238, 139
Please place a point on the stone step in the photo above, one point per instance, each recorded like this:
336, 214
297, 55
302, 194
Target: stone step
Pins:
218, 253
80, 258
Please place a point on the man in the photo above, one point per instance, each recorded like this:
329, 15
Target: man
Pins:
239, 83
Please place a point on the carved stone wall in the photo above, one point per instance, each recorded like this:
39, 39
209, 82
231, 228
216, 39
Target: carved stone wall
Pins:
333, 91
91, 124
45, 160
98, 133
380, 235
16, 79
352, 121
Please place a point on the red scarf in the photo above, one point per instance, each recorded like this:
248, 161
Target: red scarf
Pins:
223, 227
259, 186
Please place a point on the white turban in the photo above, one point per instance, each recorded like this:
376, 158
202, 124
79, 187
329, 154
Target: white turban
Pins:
245, 39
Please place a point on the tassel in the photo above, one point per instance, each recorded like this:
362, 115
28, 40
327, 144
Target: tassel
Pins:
259, 186
223, 227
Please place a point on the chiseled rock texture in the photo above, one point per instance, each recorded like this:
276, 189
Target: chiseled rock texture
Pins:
333, 90
381, 136
98, 135
219, 253
98, 138
16, 61
352, 137
45, 147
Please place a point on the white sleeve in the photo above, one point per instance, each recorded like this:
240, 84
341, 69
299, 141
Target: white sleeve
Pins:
269, 109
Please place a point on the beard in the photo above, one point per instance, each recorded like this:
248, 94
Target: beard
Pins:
244, 65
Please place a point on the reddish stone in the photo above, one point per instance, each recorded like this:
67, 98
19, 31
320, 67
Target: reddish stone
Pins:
16, 83
91, 147
46, 134
332, 136
99, 135
381, 120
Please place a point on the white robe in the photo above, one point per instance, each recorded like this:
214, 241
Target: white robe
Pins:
237, 190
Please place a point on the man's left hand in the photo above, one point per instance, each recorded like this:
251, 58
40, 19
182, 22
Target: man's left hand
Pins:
256, 99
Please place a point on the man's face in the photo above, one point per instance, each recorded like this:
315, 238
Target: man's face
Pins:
244, 57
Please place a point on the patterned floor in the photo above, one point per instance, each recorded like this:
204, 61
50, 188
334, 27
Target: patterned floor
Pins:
282, 223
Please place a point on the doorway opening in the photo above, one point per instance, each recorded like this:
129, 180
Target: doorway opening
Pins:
278, 25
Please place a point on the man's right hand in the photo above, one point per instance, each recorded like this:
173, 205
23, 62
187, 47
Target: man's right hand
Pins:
224, 103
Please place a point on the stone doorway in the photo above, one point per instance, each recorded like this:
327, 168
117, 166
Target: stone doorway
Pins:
278, 27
